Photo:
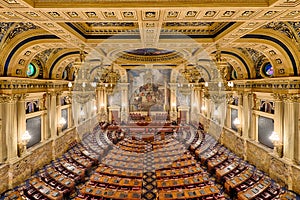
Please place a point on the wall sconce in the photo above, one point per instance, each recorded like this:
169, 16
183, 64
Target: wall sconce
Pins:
62, 121
206, 84
95, 108
25, 138
230, 84
237, 124
278, 146
70, 84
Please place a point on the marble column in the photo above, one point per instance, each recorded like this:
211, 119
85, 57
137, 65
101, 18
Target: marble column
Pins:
246, 110
124, 101
10, 126
173, 102
240, 112
3, 146
52, 114
278, 120
290, 129
21, 117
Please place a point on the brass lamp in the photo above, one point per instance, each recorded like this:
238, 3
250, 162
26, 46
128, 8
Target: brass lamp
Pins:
237, 124
62, 121
278, 146
25, 138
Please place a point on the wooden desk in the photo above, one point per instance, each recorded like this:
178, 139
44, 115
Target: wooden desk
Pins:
73, 169
222, 172
120, 173
188, 193
237, 180
60, 178
111, 180
15, 196
287, 196
179, 172
208, 155
182, 181
254, 190
48, 192
211, 164
111, 194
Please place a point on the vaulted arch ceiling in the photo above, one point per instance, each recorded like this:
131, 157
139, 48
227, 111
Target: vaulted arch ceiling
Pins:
84, 24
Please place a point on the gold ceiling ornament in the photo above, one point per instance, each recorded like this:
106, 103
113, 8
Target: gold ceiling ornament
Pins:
110, 78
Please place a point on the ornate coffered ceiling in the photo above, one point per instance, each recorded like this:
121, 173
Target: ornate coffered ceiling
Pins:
150, 23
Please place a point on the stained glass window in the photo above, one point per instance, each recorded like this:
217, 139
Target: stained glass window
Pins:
31, 70
65, 74
268, 69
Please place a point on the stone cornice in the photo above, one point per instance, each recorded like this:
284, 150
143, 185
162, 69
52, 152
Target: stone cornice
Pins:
274, 85
11, 85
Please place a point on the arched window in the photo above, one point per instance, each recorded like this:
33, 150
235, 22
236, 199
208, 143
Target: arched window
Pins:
267, 70
31, 70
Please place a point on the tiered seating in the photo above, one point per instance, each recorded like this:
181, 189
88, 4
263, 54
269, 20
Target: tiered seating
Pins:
133, 147
185, 182
183, 178
111, 183
239, 178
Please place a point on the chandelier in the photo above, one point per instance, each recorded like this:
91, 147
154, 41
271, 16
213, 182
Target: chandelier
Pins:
218, 84
192, 75
84, 87
110, 79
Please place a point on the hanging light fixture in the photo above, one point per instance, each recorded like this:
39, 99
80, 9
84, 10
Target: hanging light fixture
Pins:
110, 79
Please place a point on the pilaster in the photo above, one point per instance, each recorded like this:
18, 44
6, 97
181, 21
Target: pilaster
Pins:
10, 125
290, 129
3, 146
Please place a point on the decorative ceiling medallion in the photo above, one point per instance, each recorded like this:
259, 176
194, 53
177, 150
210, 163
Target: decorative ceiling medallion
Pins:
293, 13
91, 14
172, 14
228, 13
150, 24
54, 14
270, 14
191, 13
210, 13
10, 14
27, 53
73, 14
150, 15
11, 1
109, 14
128, 14
32, 14
247, 13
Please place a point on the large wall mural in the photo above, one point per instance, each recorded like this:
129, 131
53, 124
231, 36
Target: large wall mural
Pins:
148, 89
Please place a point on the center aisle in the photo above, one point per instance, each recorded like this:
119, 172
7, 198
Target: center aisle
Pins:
149, 178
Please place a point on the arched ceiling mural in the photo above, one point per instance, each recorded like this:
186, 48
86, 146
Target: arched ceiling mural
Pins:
243, 30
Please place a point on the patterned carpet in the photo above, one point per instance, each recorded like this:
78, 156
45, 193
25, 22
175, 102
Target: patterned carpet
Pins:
149, 179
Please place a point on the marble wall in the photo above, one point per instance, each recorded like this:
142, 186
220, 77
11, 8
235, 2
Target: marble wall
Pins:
3, 177
233, 142
19, 169
282, 170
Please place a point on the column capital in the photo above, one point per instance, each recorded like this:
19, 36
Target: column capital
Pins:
22, 97
9, 98
290, 98
51, 93
277, 96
